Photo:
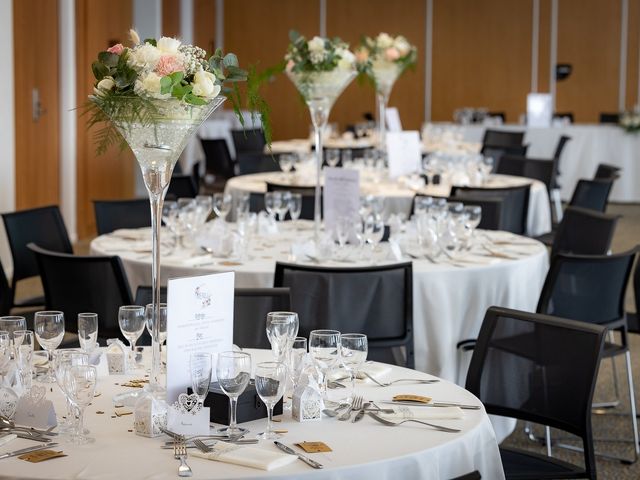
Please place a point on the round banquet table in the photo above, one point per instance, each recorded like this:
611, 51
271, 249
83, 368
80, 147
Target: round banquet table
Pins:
398, 196
449, 301
364, 450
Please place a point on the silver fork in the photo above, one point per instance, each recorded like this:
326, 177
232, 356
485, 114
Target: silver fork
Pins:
386, 384
390, 423
180, 453
355, 405
203, 447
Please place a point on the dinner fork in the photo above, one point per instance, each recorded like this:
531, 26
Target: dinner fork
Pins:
355, 405
386, 384
180, 453
203, 447
391, 423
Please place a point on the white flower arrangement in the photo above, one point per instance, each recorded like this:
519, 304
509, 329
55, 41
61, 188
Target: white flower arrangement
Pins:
630, 120
317, 55
385, 50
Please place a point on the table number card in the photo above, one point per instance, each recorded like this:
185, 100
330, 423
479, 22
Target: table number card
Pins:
34, 410
393, 120
403, 150
341, 196
199, 319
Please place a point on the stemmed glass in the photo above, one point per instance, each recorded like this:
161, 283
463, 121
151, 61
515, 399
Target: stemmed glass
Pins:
5, 355
63, 360
242, 205
234, 372
271, 378
353, 352
24, 344
282, 328
10, 324
162, 328
374, 231
332, 157
201, 368
222, 204
295, 208
80, 384
286, 162
132, 321
285, 198
324, 346
49, 331
88, 331
204, 206
473, 215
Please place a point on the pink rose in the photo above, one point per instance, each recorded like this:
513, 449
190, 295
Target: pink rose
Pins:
168, 64
118, 48
391, 54
290, 65
362, 55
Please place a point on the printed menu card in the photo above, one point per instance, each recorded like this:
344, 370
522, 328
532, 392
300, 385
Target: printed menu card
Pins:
341, 196
404, 153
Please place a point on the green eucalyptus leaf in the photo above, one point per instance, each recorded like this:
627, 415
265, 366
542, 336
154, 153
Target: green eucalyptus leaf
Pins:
151, 41
108, 58
230, 60
176, 77
100, 70
165, 84
193, 100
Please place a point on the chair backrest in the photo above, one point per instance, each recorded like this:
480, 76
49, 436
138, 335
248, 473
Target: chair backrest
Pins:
562, 142
636, 288
308, 198
584, 232
589, 288
75, 284
218, 161
592, 194
534, 168
256, 202
497, 152
521, 368
6, 294
144, 295
606, 117
250, 308
182, 186
515, 203
43, 226
607, 172
114, 214
256, 163
248, 141
491, 211
376, 301
502, 138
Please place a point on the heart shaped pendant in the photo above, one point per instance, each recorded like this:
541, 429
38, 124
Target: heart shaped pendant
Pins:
189, 403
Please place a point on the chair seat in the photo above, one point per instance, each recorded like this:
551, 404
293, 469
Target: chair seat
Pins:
522, 465
547, 238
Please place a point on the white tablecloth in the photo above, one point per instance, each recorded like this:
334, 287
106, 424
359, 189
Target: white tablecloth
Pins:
398, 196
363, 451
589, 146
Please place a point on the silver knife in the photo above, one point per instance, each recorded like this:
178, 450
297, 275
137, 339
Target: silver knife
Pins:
27, 450
360, 413
434, 405
291, 451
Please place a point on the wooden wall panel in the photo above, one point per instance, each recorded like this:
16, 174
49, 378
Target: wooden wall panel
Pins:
204, 19
633, 52
36, 68
544, 45
258, 32
347, 21
171, 18
99, 24
481, 56
589, 39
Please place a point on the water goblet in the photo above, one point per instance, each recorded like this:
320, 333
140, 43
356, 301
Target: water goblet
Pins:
80, 382
49, 331
295, 208
282, 328
132, 321
88, 331
201, 368
11, 323
222, 204
270, 203
271, 378
353, 354
324, 346
234, 372
347, 157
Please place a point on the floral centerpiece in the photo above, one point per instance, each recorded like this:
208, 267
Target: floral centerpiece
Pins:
321, 69
153, 96
383, 59
630, 120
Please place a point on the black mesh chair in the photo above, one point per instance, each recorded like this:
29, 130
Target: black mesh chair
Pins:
633, 319
376, 301
584, 232
521, 368
475, 475
592, 289
256, 202
114, 214
43, 226
250, 308
515, 203
593, 194
502, 138
256, 163
607, 172
610, 118
248, 141
74, 284
219, 166
308, 198
182, 186
144, 295
6, 295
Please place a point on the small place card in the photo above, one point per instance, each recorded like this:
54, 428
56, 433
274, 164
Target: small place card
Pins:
40, 415
393, 120
341, 195
41, 456
404, 153
411, 398
188, 423
314, 447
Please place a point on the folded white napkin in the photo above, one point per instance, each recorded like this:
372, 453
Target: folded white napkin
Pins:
303, 251
247, 456
376, 370
9, 437
423, 413
132, 233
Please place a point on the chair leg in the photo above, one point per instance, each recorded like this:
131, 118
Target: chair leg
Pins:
547, 436
557, 203
601, 408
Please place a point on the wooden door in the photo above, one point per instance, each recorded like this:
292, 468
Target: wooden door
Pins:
35, 40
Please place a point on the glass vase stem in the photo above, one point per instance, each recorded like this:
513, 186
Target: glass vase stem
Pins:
382, 130
156, 201
319, 110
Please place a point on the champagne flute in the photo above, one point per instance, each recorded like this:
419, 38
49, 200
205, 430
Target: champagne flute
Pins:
201, 368
353, 352
88, 331
24, 342
131, 320
49, 331
324, 346
80, 382
295, 208
271, 378
234, 372
282, 328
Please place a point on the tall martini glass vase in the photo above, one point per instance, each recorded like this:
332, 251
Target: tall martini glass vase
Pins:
384, 75
157, 142
320, 91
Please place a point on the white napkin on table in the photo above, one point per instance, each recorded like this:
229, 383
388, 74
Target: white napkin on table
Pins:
247, 456
132, 234
9, 437
376, 370
423, 413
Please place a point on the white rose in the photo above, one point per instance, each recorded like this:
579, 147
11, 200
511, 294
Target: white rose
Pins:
402, 46
204, 84
347, 59
144, 57
104, 85
169, 45
384, 40
150, 86
316, 44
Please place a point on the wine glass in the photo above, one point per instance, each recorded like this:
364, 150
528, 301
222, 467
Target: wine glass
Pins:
24, 343
201, 368
324, 346
295, 208
10, 324
222, 204
333, 157
242, 205
285, 199
148, 316
282, 328
131, 320
374, 231
80, 382
353, 352
49, 330
88, 331
271, 378
204, 206
286, 162
234, 372
5, 355
62, 361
